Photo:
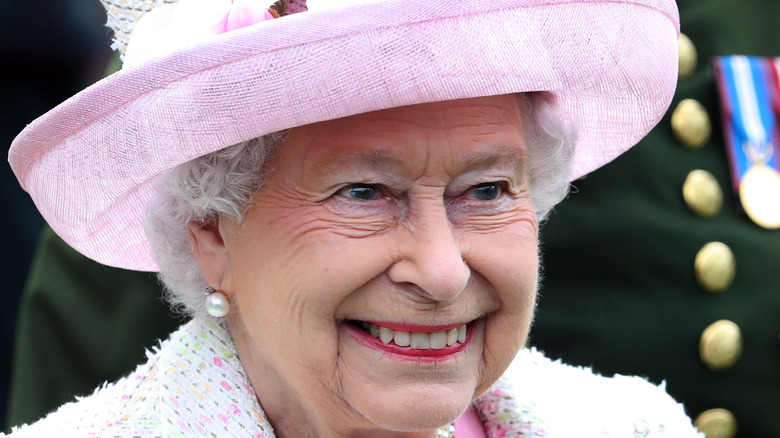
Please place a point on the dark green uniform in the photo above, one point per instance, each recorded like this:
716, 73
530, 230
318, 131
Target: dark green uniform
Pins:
81, 324
620, 291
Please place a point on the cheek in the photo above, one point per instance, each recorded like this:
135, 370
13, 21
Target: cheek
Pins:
307, 261
507, 258
292, 278
509, 263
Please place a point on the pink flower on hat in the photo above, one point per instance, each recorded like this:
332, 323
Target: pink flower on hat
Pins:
177, 25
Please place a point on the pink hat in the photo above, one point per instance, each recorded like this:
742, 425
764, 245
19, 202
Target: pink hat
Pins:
88, 163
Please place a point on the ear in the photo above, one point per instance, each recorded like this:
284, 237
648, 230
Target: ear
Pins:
211, 245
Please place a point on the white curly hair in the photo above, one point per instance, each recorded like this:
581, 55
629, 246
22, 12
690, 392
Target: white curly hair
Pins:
223, 184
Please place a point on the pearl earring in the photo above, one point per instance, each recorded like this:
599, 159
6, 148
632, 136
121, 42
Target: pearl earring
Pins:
217, 303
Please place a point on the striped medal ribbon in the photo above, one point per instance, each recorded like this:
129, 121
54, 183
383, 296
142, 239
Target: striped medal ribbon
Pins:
748, 88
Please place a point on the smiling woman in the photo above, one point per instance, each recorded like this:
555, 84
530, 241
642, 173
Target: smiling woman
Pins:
414, 256
368, 243
223, 183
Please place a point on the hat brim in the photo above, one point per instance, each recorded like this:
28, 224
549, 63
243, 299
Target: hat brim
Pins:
88, 164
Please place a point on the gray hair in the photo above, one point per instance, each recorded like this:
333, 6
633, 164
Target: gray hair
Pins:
224, 183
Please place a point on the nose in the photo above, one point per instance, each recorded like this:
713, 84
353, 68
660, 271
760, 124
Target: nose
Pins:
431, 257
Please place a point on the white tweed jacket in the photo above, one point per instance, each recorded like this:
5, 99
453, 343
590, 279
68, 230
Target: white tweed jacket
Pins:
194, 385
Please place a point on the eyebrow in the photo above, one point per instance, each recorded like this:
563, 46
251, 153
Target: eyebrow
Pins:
376, 159
388, 160
478, 160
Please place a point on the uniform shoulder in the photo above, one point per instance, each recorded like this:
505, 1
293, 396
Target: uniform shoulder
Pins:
575, 401
192, 384
122, 408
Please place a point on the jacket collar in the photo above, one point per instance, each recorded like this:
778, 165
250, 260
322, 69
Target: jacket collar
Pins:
204, 391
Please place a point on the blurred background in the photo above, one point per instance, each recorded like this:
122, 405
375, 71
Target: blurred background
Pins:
49, 50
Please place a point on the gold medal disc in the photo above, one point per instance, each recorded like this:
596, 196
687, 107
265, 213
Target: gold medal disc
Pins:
759, 193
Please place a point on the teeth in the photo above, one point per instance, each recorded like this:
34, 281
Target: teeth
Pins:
385, 334
438, 340
417, 340
402, 339
452, 336
421, 341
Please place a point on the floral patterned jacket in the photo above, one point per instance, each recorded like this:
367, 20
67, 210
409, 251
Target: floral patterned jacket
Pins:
194, 385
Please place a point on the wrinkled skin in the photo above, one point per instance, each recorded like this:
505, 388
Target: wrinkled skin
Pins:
414, 215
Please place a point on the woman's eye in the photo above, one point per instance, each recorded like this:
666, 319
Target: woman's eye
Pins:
361, 192
486, 191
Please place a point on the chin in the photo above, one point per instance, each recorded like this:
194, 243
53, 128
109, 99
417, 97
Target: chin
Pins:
400, 389
418, 407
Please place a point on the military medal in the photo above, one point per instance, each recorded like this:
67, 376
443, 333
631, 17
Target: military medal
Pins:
747, 87
759, 193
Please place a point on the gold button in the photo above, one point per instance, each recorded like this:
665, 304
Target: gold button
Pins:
687, 52
717, 423
720, 345
691, 124
715, 267
702, 193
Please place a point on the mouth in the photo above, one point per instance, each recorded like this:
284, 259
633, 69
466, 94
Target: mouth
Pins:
417, 341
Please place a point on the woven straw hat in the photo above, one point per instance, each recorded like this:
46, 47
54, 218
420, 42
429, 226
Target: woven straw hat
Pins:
88, 163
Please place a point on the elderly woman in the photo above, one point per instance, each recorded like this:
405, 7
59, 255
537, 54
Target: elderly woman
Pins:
357, 188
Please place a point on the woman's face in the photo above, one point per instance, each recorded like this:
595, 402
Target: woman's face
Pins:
374, 232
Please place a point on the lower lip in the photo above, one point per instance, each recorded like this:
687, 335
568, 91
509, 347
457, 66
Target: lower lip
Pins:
408, 353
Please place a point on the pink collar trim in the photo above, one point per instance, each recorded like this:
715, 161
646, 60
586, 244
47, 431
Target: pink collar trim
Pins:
469, 426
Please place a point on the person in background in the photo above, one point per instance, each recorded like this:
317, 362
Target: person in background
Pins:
49, 49
647, 272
